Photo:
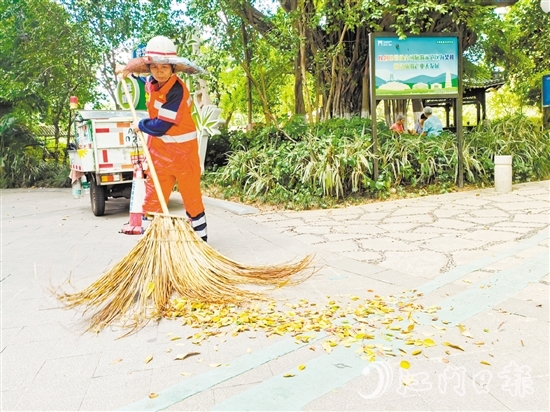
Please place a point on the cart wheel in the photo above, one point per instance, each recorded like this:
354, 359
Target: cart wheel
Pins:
97, 197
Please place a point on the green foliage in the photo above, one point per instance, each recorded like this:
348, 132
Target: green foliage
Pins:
518, 44
45, 60
333, 161
22, 164
515, 135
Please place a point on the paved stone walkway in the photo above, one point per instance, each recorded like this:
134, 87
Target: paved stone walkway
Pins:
481, 259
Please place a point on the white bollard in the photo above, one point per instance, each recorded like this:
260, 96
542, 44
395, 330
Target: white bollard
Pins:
503, 174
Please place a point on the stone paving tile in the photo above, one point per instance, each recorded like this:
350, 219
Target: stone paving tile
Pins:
530, 309
21, 363
452, 244
491, 236
426, 264
532, 218
338, 237
536, 291
370, 216
410, 219
453, 224
106, 393
203, 401
54, 375
255, 376
223, 393
8, 336
532, 252
373, 391
86, 247
384, 244
317, 230
363, 256
414, 210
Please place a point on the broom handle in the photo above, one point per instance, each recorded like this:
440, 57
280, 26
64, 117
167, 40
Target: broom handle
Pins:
150, 164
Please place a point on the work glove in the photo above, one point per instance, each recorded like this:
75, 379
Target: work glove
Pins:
135, 126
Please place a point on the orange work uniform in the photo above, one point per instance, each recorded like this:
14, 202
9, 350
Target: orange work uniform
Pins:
173, 145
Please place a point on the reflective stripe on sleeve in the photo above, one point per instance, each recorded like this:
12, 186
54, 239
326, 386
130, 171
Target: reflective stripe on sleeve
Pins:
168, 114
178, 138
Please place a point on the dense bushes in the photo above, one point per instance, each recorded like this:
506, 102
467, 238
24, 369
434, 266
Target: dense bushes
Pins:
301, 166
22, 163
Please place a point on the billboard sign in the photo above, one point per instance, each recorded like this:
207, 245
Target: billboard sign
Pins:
417, 66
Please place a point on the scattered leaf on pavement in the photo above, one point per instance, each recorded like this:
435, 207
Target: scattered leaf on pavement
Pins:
186, 355
452, 345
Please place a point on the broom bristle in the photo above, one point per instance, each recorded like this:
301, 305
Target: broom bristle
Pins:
170, 261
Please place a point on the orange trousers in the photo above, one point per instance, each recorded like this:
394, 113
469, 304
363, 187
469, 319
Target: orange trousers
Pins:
175, 162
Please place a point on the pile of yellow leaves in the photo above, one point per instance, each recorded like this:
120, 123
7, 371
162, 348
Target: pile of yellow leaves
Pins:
351, 322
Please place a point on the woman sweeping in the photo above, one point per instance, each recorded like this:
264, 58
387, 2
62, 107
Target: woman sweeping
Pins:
172, 134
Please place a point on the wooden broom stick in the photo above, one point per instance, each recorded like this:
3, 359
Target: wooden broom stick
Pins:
150, 164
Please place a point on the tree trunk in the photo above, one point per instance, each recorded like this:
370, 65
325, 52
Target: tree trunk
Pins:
246, 64
346, 70
302, 27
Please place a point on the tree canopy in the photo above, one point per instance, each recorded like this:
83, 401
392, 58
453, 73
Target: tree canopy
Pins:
267, 59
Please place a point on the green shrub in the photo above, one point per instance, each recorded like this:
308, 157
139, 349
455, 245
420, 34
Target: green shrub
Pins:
301, 166
22, 163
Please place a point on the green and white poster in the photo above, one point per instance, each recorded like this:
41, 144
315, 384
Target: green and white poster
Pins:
416, 66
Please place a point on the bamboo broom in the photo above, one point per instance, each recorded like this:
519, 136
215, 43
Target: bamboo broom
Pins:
170, 261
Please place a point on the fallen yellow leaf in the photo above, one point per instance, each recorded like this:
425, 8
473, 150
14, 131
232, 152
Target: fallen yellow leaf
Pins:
288, 375
186, 355
464, 331
405, 364
485, 363
452, 345
428, 342
215, 365
416, 352
116, 361
301, 367
153, 395
148, 358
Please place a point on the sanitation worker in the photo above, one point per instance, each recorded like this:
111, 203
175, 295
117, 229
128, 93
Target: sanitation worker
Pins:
172, 134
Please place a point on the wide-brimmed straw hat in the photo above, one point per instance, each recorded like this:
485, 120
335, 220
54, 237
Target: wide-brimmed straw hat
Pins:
161, 50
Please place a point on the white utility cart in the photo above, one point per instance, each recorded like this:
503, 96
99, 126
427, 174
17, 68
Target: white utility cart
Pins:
105, 152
